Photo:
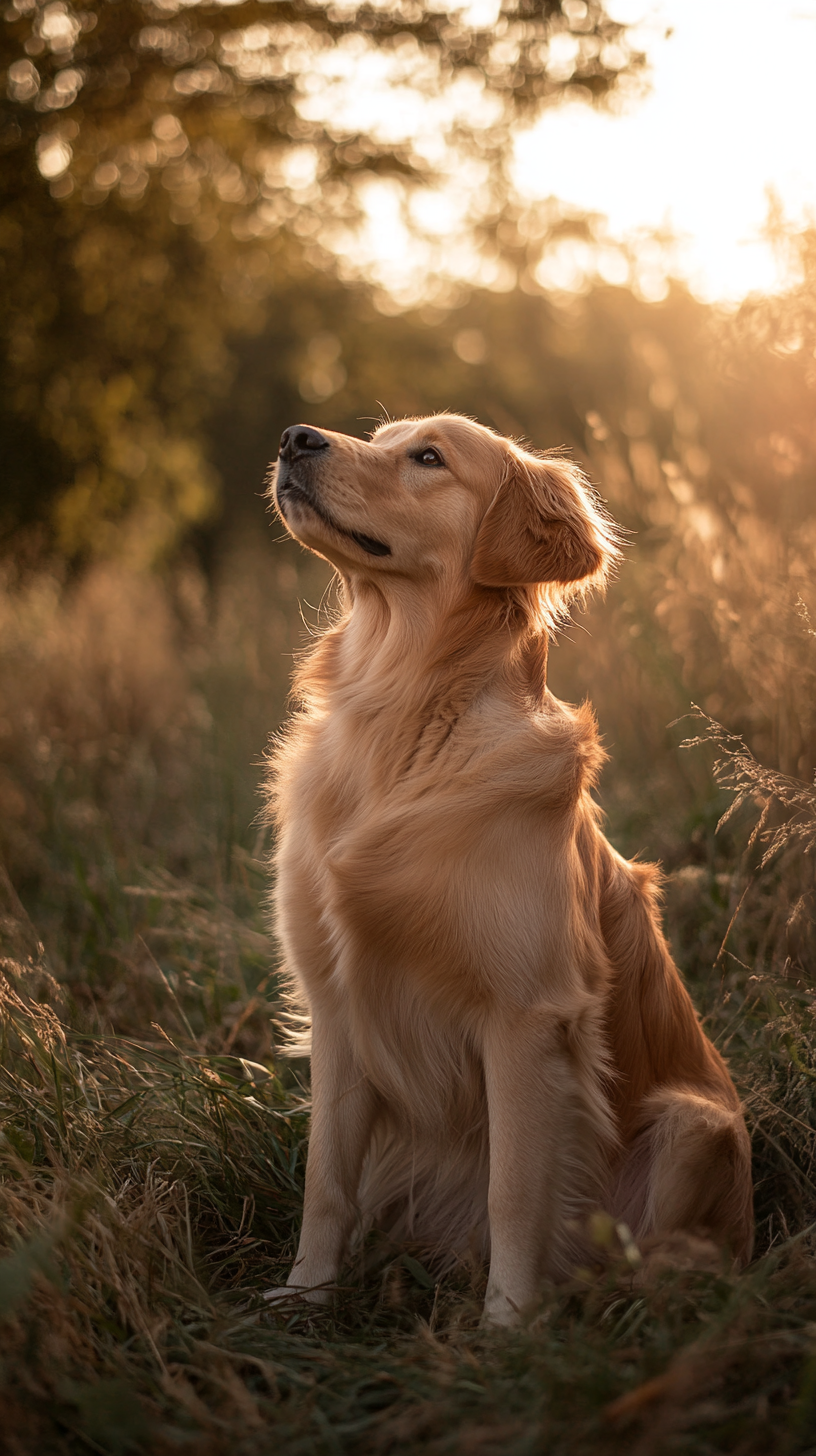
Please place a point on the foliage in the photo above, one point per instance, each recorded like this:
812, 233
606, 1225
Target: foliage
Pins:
767, 956
240, 72
163, 156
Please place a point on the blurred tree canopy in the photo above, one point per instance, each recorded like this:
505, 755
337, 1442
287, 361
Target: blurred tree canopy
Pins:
166, 168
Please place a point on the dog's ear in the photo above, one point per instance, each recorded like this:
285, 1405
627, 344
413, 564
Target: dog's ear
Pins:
543, 526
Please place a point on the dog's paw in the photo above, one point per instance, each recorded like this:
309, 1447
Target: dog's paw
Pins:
500, 1312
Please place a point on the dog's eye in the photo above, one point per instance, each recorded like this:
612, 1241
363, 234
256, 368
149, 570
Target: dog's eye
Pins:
429, 456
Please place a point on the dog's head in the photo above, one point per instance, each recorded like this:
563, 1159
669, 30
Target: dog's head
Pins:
444, 500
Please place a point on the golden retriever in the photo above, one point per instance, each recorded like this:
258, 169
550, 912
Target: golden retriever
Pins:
500, 1040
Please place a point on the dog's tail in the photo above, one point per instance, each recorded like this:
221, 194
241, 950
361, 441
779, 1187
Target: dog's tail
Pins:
688, 1149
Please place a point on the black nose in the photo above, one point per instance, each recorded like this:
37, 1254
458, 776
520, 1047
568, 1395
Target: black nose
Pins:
301, 440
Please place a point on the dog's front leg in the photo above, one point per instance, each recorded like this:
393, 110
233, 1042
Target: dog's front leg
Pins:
343, 1110
539, 1133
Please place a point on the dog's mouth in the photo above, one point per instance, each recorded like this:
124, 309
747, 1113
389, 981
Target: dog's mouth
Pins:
289, 490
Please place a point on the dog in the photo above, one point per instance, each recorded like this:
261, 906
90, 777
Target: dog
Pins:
500, 1040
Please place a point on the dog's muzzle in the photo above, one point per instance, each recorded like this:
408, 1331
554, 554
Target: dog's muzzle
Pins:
301, 445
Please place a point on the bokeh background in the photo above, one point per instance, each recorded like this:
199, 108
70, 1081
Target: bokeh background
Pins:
217, 219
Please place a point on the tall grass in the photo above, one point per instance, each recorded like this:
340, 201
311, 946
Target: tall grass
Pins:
767, 957
149, 1192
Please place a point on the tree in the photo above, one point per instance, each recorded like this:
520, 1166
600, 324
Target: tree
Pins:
166, 164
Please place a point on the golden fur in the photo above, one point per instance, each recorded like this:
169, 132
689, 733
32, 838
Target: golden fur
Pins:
500, 1039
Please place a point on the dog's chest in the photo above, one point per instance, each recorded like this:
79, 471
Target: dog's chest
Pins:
413, 904
436, 886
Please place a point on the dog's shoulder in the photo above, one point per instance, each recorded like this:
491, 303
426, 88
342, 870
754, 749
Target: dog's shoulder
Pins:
542, 750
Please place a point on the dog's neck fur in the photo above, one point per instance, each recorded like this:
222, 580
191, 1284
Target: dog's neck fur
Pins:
430, 659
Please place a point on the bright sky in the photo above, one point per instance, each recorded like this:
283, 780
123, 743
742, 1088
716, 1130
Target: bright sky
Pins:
732, 112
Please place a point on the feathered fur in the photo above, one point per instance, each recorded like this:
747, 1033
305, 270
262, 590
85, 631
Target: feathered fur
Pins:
500, 1039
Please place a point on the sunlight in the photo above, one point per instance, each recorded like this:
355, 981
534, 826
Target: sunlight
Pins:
392, 94
730, 118
680, 179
